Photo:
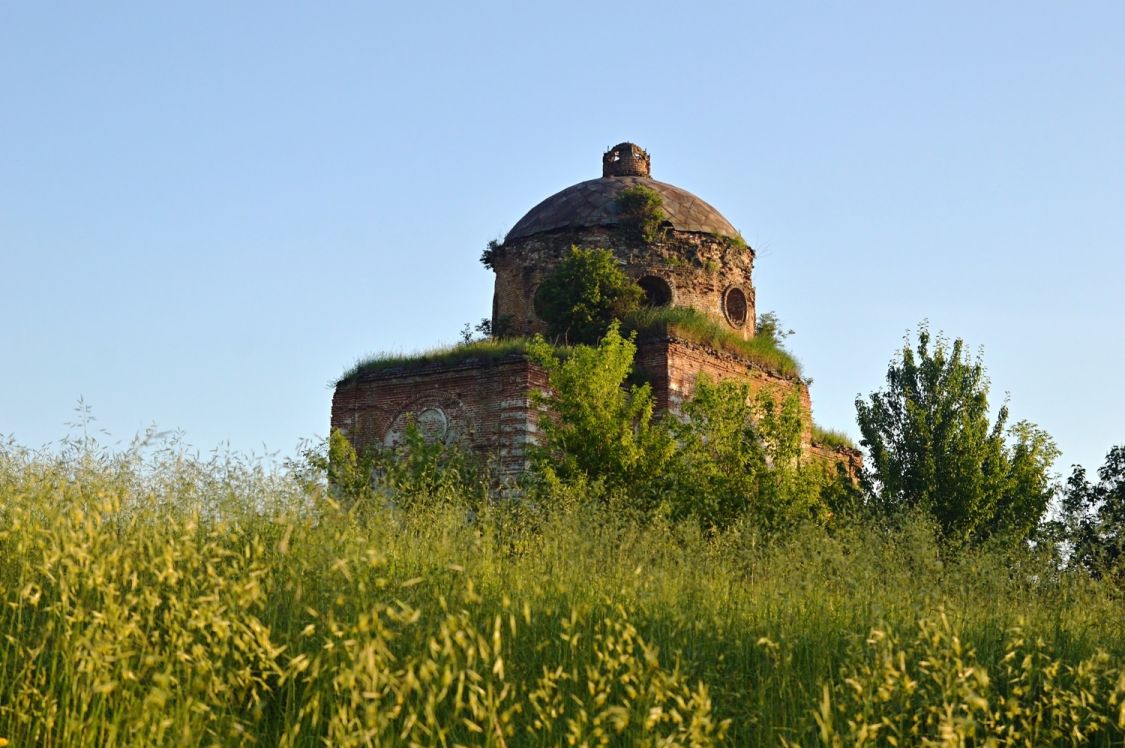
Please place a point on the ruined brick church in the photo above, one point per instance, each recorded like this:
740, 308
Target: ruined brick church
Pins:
696, 260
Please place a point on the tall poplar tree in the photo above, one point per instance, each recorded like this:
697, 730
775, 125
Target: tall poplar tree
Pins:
931, 446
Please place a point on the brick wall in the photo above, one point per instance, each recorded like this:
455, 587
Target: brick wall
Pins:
482, 402
485, 403
699, 269
673, 365
851, 459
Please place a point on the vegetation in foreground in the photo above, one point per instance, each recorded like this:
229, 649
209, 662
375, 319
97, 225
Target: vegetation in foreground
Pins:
173, 600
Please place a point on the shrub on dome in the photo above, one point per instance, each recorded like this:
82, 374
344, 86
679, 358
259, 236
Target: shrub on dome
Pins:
584, 294
641, 214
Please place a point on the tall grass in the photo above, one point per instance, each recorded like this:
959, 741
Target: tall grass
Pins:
477, 350
692, 325
177, 600
831, 438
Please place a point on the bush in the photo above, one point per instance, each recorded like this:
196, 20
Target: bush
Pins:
739, 458
596, 427
729, 457
584, 294
640, 213
411, 476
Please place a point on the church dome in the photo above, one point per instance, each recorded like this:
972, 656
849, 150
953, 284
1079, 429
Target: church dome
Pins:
594, 202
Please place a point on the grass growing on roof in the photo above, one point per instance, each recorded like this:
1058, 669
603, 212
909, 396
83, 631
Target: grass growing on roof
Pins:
477, 349
683, 322
692, 325
832, 438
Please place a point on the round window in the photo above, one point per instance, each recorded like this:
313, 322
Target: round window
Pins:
436, 420
734, 306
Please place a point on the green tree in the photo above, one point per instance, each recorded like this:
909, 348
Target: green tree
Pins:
721, 457
1094, 517
583, 294
740, 456
594, 426
932, 448
728, 456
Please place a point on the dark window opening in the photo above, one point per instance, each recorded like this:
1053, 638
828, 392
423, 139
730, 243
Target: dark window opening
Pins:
537, 302
657, 291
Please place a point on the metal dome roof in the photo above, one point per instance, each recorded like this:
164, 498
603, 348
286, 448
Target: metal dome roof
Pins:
594, 202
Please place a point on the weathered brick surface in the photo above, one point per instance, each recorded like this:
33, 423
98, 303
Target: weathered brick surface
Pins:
674, 365
850, 459
485, 403
626, 160
698, 268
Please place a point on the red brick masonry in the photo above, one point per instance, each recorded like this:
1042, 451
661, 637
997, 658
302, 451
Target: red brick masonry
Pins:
486, 403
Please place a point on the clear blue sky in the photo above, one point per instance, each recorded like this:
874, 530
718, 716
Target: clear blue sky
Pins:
209, 210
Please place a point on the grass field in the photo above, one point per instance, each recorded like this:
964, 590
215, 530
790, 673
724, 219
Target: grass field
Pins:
168, 600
